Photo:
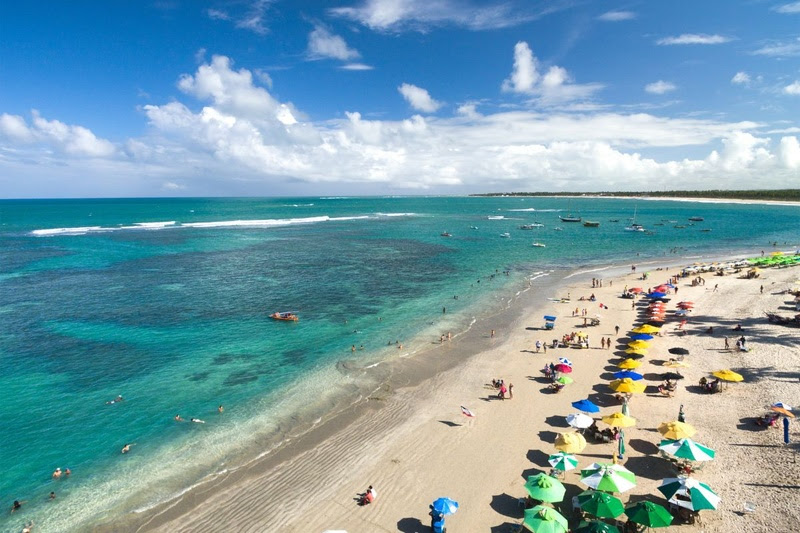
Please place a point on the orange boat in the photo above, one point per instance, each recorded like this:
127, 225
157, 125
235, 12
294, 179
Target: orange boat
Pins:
288, 315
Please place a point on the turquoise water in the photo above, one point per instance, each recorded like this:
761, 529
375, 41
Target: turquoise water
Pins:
165, 301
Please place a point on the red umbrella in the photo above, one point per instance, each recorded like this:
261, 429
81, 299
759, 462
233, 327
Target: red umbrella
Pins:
564, 369
635, 290
685, 306
685, 302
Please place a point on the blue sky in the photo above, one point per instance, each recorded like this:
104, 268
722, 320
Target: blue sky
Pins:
263, 97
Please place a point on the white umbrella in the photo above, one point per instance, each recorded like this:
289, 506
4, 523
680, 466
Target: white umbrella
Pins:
565, 361
580, 420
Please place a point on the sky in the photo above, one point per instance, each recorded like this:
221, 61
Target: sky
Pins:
364, 97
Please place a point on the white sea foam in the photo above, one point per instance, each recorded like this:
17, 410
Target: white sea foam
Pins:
589, 271
154, 225
265, 223
530, 209
395, 214
69, 231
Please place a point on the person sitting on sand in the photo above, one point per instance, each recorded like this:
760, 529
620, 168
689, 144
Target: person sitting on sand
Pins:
710, 330
738, 327
768, 420
368, 496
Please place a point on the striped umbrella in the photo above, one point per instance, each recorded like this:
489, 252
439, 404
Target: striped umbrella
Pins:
696, 495
687, 449
609, 478
563, 461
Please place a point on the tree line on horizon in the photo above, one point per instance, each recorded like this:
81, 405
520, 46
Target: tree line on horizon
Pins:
770, 194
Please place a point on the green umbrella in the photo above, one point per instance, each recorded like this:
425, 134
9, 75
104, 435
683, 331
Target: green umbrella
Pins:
565, 380
600, 504
686, 449
610, 478
541, 519
545, 488
648, 514
595, 527
695, 495
563, 461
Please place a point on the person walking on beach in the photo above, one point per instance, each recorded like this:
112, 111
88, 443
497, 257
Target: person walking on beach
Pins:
492, 333
762, 289
538, 346
616, 330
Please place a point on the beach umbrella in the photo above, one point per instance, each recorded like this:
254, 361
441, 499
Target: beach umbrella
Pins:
655, 295
579, 420
685, 302
570, 442
445, 506
782, 405
648, 514
564, 369
672, 376
696, 496
600, 504
586, 406
627, 385
638, 344
783, 411
676, 364
565, 361
676, 430
622, 374
654, 321
678, 351
636, 290
608, 477
685, 305
646, 329
629, 364
563, 461
641, 337
541, 519
727, 375
595, 527
564, 380
619, 420
686, 448
545, 488
636, 353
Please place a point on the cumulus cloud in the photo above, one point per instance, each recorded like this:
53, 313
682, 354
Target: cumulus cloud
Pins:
423, 14
660, 87
793, 88
69, 139
418, 98
241, 138
693, 38
551, 88
741, 78
616, 16
323, 44
791, 8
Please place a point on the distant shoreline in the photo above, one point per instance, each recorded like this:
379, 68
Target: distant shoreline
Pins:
633, 196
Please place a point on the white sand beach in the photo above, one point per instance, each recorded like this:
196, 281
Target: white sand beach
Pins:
414, 445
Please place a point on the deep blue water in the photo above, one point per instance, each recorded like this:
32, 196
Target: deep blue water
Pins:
174, 316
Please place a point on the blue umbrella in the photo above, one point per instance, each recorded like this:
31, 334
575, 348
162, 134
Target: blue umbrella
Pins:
635, 376
586, 406
641, 337
656, 295
445, 506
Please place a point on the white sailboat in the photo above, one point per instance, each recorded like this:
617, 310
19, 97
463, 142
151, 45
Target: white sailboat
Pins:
634, 226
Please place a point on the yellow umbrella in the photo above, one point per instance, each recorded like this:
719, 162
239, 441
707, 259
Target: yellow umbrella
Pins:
570, 442
581, 334
676, 364
619, 420
639, 344
676, 430
727, 375
627, 385
646, 328
636, 351
629, 364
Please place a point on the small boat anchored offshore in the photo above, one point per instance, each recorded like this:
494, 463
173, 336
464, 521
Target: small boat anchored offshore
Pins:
285, 315
591, 224
539, 245
445, 234
505, 235
696, 219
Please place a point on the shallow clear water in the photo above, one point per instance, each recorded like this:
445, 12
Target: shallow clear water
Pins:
175, 317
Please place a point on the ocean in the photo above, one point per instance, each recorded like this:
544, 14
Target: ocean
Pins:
166, 302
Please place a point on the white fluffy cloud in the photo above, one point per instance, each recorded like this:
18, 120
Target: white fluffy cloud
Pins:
422, 14
741, 78
779, 49
71, 140
616, 16
242, 139
792, 88
551, 88
324, 44
660, 87
693, 38
418, 98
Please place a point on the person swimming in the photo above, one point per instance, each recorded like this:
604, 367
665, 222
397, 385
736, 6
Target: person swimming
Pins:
197, 421
127, 447
178, 418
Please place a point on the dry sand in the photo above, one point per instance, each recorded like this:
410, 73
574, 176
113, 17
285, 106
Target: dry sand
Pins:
416, 446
